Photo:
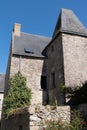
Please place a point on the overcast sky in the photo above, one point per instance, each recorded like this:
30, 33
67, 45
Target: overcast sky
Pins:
35, 16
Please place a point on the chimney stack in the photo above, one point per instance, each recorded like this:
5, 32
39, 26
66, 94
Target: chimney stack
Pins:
17, 29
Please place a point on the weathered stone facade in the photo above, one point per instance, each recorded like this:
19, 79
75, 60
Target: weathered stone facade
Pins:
55, 65
68, 62
31, 68
75, 59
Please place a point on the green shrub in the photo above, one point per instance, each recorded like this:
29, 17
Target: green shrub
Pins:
19, 95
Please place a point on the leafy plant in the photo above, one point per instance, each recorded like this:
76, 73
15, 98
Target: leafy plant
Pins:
63, 88
19, 95
75, 124
78, 95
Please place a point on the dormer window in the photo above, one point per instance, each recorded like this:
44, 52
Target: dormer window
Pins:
29, 50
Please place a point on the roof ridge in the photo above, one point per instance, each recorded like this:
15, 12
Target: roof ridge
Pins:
36, 35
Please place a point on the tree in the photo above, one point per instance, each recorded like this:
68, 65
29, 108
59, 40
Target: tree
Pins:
19, 95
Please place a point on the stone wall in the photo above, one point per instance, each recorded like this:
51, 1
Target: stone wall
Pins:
55, 65
67, 58
75, 59
32, 118
40, 114
31, 68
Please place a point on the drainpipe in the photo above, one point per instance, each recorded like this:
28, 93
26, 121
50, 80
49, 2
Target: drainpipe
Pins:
19, 65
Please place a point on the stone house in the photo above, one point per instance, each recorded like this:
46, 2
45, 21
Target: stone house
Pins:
49, 63
66, 56
26, 56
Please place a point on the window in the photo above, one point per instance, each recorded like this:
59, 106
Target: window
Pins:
53, 79
29, 50
43, 82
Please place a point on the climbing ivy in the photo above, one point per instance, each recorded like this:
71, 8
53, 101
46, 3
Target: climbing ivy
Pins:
19, 95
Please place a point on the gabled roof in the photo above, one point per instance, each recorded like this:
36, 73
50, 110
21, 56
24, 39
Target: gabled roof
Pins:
28, 42
2, 82
68, 22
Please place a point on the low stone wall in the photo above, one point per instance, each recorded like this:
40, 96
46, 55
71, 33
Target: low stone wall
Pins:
42, 113
33, 117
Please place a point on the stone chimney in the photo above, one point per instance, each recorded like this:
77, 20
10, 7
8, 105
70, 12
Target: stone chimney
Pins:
17, 29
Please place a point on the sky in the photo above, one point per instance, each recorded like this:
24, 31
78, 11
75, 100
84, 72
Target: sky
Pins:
36, 17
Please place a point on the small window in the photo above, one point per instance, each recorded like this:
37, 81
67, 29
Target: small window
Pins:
43, 82
53, 80
29, 50
20, 127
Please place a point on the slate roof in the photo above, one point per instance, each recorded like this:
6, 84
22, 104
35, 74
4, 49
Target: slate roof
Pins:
68, 22
2, 82
30, 42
